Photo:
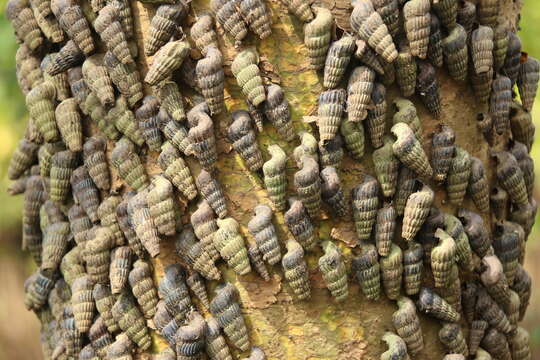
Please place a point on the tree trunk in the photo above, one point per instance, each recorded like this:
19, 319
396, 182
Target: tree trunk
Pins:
318, 328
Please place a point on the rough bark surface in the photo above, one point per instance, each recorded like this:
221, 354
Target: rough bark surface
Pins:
319, 328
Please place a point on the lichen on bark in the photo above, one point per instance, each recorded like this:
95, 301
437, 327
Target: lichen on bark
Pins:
319, 328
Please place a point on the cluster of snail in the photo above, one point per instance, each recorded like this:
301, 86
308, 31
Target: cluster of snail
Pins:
93, 243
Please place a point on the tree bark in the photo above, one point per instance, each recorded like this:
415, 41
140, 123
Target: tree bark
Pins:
319, 328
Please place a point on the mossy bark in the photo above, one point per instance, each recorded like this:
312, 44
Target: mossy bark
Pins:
319, 328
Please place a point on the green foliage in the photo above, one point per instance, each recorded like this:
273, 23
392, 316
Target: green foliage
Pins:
12, 120
529, 30
530, 27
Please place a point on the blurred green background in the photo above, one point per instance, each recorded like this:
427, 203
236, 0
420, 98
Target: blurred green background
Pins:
19, 329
